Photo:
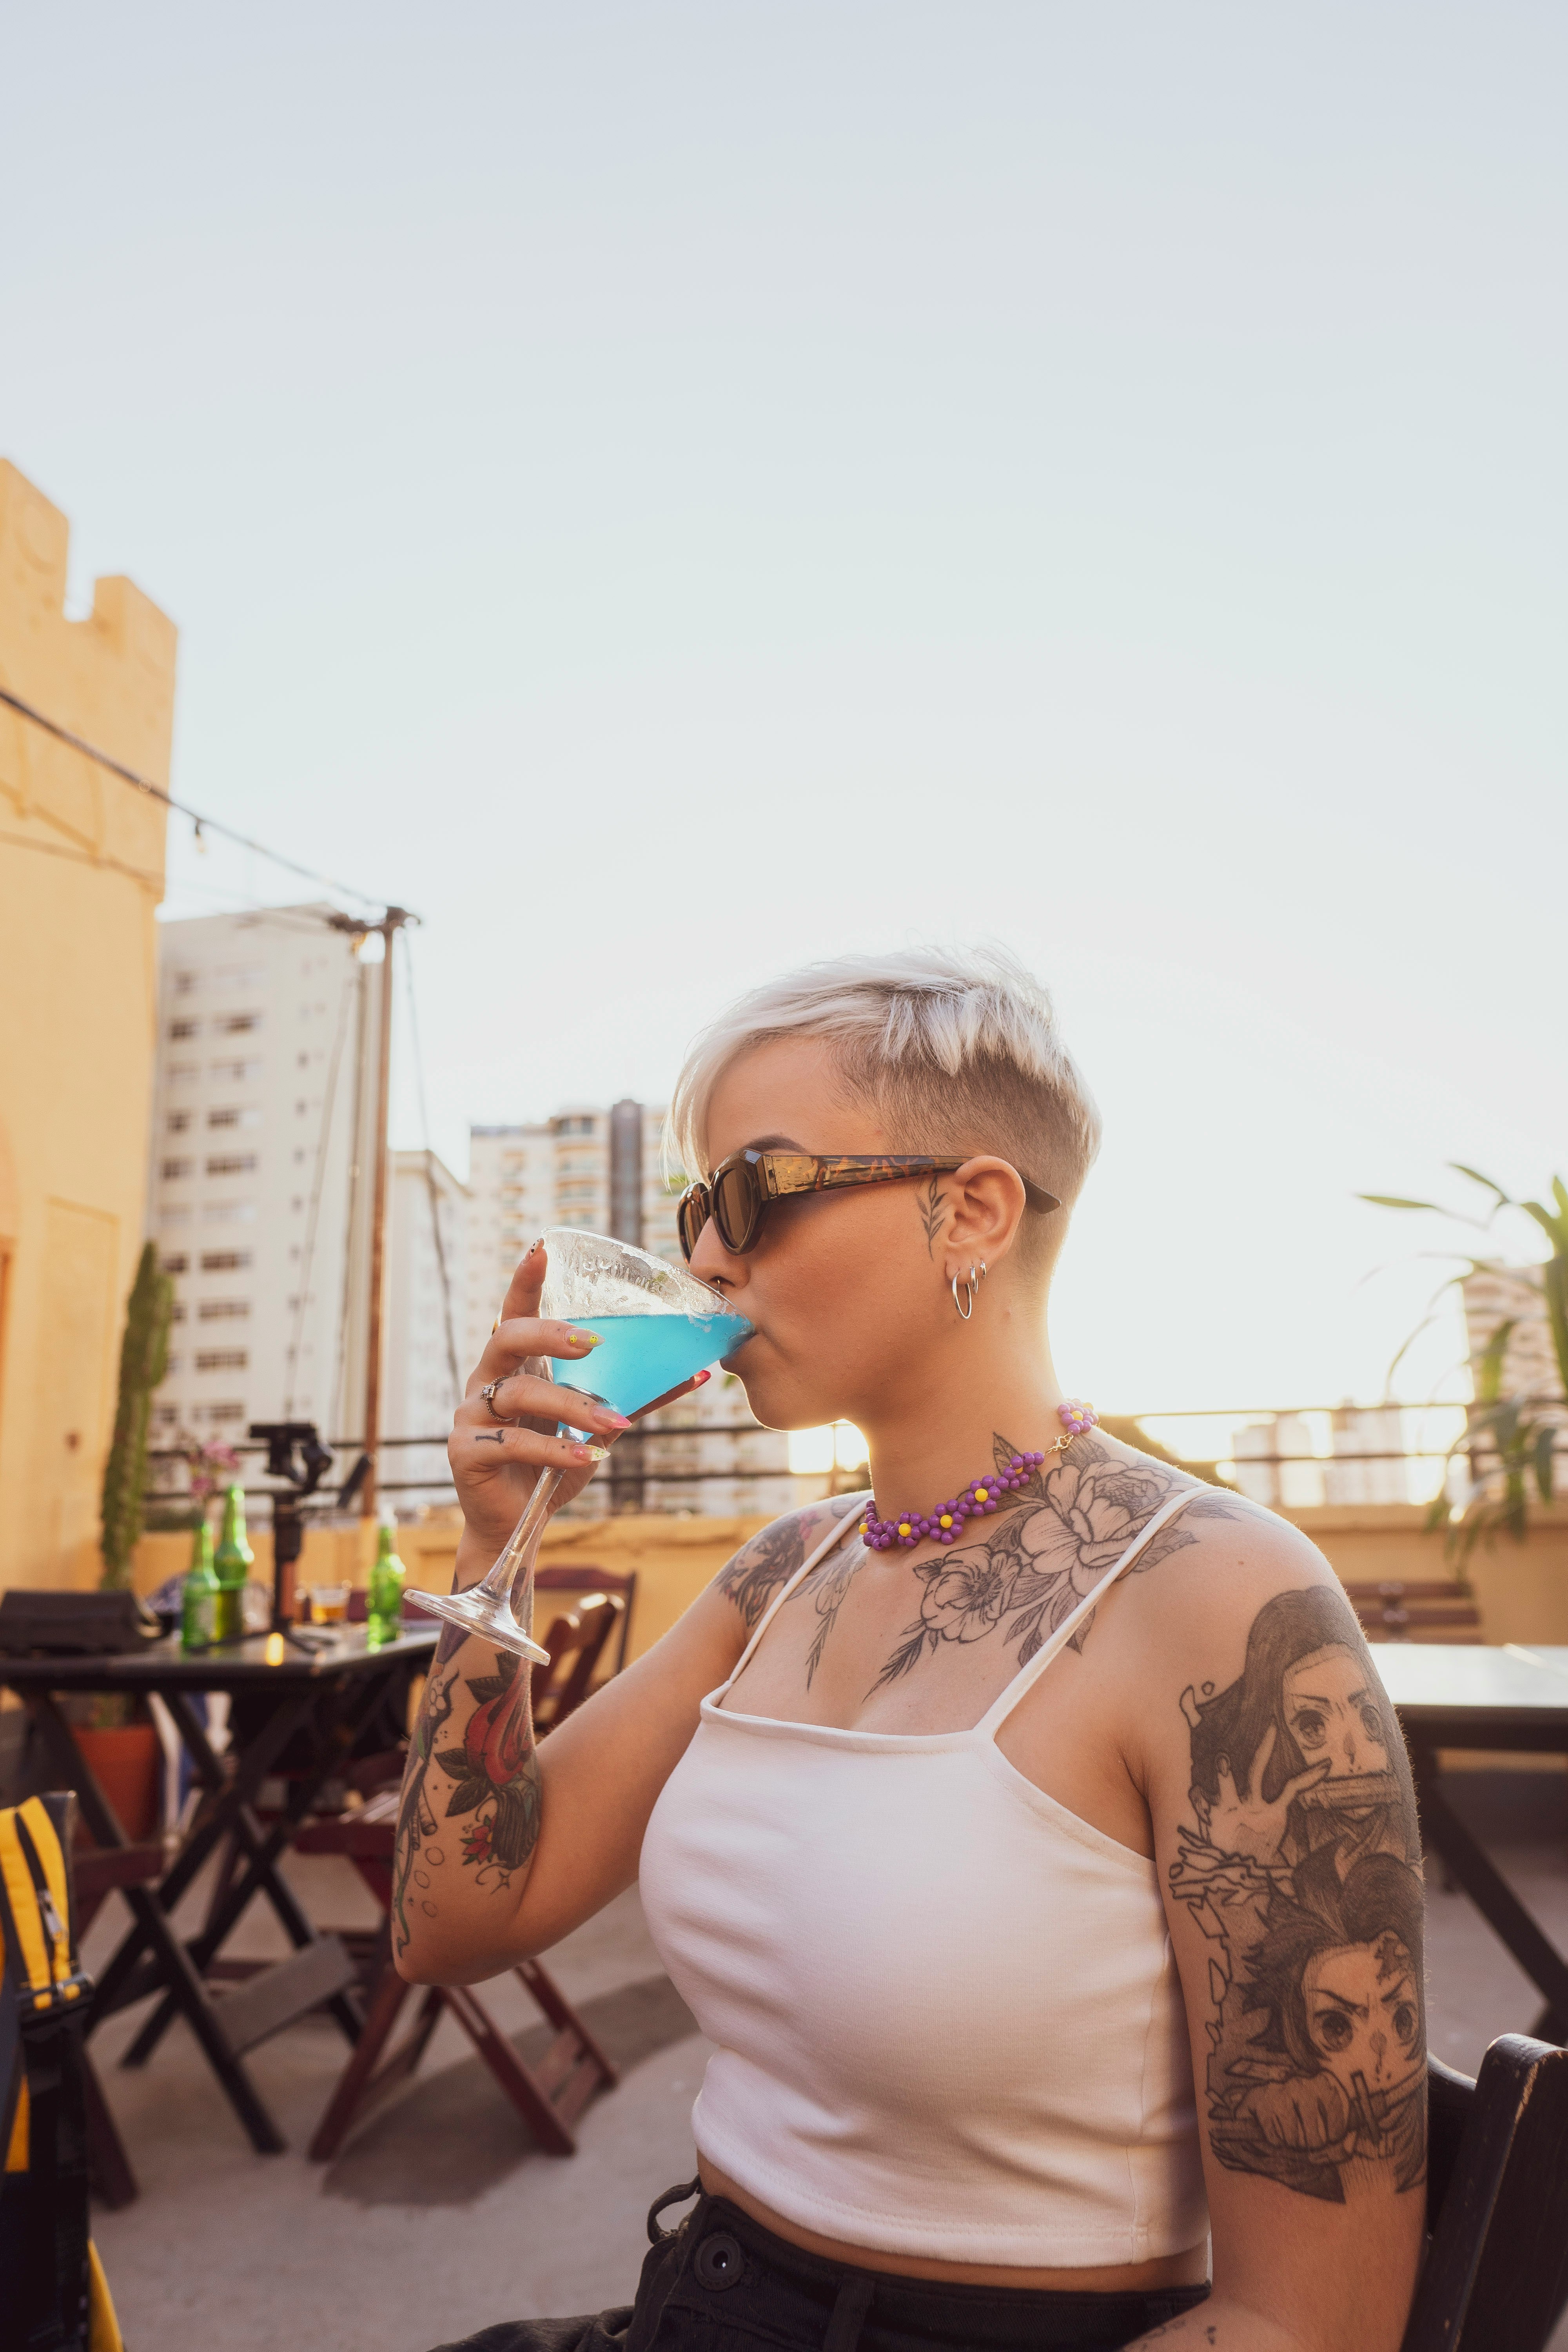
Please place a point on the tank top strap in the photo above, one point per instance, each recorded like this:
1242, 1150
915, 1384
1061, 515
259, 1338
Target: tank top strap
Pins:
835, 1535
1025, 1680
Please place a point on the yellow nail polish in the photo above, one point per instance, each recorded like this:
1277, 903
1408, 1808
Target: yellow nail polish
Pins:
588, 1338
596, 1453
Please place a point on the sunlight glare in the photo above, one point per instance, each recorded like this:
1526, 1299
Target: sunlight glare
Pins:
814, 1451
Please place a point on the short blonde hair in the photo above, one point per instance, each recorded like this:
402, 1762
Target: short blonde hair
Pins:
957, 1048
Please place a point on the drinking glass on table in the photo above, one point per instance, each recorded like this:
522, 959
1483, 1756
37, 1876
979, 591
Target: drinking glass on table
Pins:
656, 1325
329, 1604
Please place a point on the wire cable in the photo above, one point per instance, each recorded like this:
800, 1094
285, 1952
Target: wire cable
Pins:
156, 791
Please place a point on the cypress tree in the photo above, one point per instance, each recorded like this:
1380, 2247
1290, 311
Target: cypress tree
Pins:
144, 1360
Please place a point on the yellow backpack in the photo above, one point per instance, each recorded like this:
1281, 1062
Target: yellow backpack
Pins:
52, 2288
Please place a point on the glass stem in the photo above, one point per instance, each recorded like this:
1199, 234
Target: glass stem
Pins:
511, 1577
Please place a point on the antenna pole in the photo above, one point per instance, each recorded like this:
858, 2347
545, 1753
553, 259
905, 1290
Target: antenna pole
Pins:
392, 923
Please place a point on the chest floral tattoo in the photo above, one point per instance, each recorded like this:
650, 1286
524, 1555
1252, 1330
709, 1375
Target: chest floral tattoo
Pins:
1052, 1540
772, 1557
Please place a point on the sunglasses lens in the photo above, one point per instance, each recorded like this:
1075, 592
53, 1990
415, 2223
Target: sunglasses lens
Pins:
735, 1207
691, 1216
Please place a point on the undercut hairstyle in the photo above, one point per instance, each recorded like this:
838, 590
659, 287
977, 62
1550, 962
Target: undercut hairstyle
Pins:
956, 1050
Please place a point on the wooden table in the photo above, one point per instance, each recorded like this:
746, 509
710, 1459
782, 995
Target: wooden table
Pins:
1466, 1696
326, 1694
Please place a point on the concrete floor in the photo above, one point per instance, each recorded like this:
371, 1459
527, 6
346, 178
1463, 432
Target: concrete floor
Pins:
440, 2217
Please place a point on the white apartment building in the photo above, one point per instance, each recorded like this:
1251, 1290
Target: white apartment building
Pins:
1514, 1294
259, 1199
1278, 1463
712, 1437
602, 1170
265, 1075
425, 1374
1367, 1464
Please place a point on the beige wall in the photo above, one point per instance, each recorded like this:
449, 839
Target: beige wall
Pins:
82, 869
673, 1558
1522, 1590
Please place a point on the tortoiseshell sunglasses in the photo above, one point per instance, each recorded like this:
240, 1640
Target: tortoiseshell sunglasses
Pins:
744, 1187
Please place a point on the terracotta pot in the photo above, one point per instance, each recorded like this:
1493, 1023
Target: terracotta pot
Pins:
128, 1765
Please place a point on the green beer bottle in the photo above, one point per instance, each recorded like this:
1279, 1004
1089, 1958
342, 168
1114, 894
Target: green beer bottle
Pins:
231, 1564
384, 1614
198, 1598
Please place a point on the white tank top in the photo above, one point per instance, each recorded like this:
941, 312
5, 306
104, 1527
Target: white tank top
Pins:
946, 2017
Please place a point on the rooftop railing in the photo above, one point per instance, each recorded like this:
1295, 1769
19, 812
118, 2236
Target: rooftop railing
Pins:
1345, 1428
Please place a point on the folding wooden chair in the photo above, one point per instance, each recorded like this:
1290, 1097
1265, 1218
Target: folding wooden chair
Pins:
577, 1641
1443, 1610
588, 1581
96, 1870
549, 2097
1496, 2203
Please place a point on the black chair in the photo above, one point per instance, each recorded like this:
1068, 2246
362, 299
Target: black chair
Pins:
1496, 2203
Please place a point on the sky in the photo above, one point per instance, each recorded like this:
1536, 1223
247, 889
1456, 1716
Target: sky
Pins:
667, 491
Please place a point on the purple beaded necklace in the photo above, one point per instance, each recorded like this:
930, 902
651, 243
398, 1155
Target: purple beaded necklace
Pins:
981, 1496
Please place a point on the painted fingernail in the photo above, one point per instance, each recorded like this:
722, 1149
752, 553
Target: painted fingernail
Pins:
615, 1421
698, 1379
590, 1452
587, 1339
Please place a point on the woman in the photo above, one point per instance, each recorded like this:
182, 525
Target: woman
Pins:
931, 1832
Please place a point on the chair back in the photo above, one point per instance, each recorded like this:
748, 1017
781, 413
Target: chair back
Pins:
586, 1579
1395, 1610
1496, 2203
575, 1642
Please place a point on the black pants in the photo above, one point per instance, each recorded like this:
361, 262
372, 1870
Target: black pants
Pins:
723, 2283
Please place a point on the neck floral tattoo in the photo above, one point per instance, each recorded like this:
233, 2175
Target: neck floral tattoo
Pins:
1053, 1538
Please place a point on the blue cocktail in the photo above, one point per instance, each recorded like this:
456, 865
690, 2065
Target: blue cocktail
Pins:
645, 1356
659, 1325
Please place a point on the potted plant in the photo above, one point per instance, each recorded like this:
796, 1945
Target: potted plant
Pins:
1510, 1437
120, 1741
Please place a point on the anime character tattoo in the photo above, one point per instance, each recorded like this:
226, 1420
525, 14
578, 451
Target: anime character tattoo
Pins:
1301, 1868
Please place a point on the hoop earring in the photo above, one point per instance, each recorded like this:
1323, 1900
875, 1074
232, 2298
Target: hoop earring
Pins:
964, 1312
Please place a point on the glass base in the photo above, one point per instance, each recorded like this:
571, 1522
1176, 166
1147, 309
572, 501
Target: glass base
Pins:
481, 1613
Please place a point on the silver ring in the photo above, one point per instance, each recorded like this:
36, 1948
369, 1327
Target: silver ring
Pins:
489, 1393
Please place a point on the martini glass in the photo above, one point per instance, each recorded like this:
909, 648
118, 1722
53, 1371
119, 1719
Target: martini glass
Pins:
657, 1324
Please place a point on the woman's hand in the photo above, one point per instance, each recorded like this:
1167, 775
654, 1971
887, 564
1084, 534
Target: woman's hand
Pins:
1242, 1820
499, 1445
